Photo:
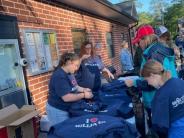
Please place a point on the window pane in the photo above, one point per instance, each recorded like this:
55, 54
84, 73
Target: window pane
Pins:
36, 52
110, 45
10, 72
41, 60
78, 37
50, 49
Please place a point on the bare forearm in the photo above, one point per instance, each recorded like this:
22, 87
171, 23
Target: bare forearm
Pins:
80, 89
73, 97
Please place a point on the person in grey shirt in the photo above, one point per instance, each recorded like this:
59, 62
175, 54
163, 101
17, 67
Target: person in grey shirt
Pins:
90, 55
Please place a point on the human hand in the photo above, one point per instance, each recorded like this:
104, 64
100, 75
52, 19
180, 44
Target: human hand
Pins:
129, 83
88, 95
85, 56
86, 90
110, 75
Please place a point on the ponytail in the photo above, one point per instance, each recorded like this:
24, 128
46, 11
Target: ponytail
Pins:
155, 67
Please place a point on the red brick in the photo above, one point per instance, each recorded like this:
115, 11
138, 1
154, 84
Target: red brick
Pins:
41, 105
22, 17
39, 95
46, 12
36, 101
37, 85
44, 88
41, 15
8, 3
44, 99
13, 10
35, 91
20, 6
24, 12
33, 81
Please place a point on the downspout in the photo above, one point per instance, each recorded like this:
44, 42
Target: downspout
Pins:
129, 29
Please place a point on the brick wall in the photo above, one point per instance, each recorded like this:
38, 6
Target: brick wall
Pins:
36, 15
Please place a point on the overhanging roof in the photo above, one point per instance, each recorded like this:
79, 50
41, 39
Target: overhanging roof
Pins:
128, 7
101, 8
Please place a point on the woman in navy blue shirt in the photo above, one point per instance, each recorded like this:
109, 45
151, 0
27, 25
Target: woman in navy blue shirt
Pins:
168, 102
91, 56
63, 89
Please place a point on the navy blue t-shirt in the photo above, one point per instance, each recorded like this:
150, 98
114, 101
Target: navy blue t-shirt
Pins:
168, 104
60, 84
93, 126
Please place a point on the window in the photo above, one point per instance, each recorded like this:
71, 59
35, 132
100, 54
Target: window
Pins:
132, 34
42, 52
78, 37
110, 45
122, 37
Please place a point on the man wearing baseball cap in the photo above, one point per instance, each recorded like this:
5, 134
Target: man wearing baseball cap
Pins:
165, 38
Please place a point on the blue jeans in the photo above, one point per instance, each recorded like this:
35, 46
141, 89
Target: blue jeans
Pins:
55, 115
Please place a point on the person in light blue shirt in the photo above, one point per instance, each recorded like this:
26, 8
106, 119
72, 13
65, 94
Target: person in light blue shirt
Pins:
126, 58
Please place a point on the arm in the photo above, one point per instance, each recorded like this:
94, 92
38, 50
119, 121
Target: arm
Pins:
83, 93
84, 57
140, 84
103, 68
108, 72
63, 89
71, 97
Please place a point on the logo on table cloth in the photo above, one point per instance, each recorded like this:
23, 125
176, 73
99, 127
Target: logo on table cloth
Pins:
91, 122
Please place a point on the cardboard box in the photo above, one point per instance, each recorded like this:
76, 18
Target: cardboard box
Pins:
17, 123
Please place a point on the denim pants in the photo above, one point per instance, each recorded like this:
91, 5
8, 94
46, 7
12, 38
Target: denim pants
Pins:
55, 115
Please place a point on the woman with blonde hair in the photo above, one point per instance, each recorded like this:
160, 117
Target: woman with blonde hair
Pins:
168, 102
126, 58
